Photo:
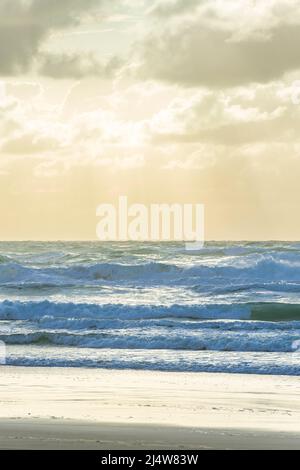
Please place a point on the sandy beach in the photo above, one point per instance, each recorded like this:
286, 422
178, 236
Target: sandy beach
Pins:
72, 408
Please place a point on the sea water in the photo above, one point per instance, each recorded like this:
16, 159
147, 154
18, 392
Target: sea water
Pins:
230, 307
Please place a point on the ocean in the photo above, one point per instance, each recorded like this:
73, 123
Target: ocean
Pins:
231, 307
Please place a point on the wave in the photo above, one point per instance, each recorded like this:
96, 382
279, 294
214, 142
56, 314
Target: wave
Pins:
14, 272
17, 310
88, 324
98, 301
34, 310
4, 259
165, 360
201, 340
281, 286
247, 269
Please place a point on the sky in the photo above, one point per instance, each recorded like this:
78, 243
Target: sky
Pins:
164, 101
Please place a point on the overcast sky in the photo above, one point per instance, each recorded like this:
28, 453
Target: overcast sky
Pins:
163, 101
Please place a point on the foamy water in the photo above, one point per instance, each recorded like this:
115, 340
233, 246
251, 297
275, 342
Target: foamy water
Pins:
232, 307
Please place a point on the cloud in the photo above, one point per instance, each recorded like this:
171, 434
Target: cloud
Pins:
33, 129
223, 44
169, 8
26, 24
29, 144
260, 114
77, 66
198, 56
192, 43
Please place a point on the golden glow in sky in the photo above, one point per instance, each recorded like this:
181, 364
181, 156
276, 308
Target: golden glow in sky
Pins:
194, 101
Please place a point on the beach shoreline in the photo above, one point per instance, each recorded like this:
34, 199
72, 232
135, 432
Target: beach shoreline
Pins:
73, 408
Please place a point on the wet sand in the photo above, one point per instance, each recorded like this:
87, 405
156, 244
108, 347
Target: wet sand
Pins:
70, 408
